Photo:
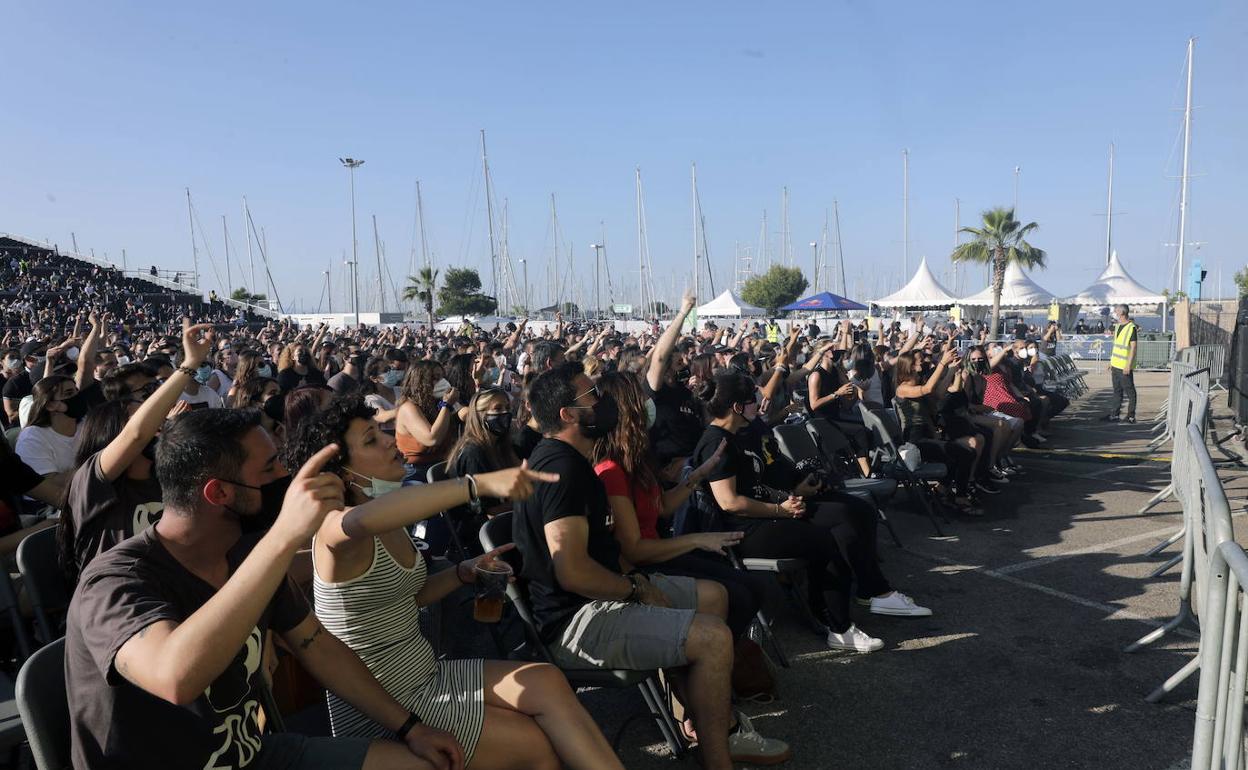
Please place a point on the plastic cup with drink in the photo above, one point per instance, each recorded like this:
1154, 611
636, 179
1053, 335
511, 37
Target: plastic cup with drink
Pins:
492, 576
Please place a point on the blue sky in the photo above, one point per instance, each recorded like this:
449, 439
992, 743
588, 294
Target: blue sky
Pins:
113, 109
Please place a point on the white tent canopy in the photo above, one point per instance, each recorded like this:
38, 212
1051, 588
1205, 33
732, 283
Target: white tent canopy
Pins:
923, 291
1115, 287
1018, 291
729, 305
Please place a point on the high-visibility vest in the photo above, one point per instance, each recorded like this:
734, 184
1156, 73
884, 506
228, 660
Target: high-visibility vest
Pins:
773, 333
1122, 346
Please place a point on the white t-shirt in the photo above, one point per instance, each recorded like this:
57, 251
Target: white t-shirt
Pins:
206, 395
45, 450
226, 383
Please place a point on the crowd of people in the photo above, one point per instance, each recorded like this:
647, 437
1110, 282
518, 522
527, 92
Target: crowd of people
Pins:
215, 482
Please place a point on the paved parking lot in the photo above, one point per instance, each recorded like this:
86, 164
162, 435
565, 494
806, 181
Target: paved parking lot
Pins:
1022, 665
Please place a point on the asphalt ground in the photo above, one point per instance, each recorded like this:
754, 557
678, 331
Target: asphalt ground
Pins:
1021, 666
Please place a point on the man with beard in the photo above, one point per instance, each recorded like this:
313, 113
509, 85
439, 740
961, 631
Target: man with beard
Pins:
164, 637
591, 611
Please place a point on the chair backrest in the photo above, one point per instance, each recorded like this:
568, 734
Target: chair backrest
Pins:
795, 442
44, 706
10, 436
828, 436
9, 606
495, 533
437, 472
38, 561
883, 436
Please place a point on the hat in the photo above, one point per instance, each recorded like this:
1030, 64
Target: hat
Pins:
30, 348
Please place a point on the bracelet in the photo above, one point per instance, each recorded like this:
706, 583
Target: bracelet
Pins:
777, 509
474, 501
635, 589
186, 370
412, 721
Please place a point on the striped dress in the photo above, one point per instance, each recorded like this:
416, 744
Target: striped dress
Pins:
374, 614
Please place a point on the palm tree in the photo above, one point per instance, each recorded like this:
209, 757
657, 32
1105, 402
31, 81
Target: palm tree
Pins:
1000, 241
422, 287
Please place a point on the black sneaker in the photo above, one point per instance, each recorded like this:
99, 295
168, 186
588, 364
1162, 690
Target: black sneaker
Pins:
1110, 418
987, 487
1130, 419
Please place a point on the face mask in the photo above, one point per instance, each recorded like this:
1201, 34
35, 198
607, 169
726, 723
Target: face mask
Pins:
441, 388
13, 364
123, 360
750, 411
1031, 352
272, 495
392, 377
303, 358
980, 366
76, 406
149, 451
498, 424
274, 408
203, 374
800, 358
265, 371
72, 354
651, 413
376, 487
605, 416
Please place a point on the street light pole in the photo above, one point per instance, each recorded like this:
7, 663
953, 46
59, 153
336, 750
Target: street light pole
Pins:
352, 164
814, 247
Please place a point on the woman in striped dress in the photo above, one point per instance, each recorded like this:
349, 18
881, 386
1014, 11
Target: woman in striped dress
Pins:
369, 581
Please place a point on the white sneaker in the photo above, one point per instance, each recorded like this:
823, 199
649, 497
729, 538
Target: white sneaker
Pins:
746, 745
854, 638
899, 604
1042, 439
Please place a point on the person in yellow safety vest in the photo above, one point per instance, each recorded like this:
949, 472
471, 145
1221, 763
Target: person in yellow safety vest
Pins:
1122, 364
773, 332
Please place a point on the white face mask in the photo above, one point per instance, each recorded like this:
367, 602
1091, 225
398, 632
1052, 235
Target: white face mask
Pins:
651, 413
376, 487
1031, 352
123, 360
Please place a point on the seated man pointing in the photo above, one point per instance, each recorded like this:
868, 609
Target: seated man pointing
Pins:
164, 637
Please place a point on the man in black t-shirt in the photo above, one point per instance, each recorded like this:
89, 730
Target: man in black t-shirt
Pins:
588, 613
165, 631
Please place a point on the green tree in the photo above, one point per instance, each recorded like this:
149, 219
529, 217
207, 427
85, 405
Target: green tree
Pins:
242, 295
461, 294
1001, 240
421, 288
775, 288
1241, 280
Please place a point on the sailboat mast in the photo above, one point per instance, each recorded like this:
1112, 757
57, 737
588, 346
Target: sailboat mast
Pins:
957, 236
194, 250
489, 213
554, 250
251, 259
420, 219
1187, 147
764, 249
786, 248
840, 253
693, 173
225, 236
381, 287
641, 248
1109, 208
905, 214
821, 262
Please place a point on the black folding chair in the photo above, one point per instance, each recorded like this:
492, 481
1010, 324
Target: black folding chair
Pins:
9, 606
888, 459
802, 442
496, 533
49, 592
44, 706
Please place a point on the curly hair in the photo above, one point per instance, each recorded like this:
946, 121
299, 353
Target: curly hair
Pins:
629, 444
418, 385
329, 427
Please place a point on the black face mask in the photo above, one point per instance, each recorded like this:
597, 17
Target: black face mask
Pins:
683, 375
498, 424
303, 358
77, 405
271, 496
606, 415
274, 408
980, 366
149, 451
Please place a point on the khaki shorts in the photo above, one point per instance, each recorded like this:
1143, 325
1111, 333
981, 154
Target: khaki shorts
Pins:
637, 637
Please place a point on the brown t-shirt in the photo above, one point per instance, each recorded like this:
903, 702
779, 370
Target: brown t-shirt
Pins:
115, 724
106, 512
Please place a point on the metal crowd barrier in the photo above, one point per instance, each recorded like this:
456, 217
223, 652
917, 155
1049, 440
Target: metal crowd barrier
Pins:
1212, 357
1209, 514
1177, 419
1223, 658
1183, 480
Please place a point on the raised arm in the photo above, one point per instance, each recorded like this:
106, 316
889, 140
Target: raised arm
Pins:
667, 343
86, 355
146, 422
514, 339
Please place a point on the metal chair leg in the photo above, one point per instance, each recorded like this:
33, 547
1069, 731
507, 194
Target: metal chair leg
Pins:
769, 639
889, 526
